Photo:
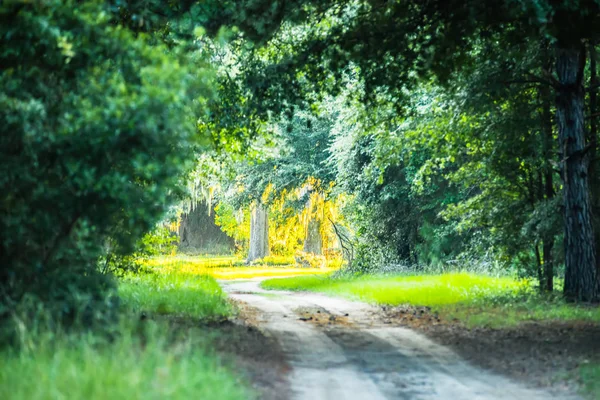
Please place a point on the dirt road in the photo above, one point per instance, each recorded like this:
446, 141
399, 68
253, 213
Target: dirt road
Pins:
342, 350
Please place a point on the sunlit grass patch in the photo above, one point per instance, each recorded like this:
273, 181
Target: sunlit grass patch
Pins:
257, 272
476, 300
430, 290
140, 362
197, 263
198, 296
231, 267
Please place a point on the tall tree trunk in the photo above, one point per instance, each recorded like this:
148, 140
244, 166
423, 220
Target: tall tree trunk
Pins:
580, 246
547, 140
593, 143
538, 266
199, 233
313, 240
259, 233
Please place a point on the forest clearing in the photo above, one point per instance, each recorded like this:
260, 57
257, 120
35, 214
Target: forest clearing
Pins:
290, 199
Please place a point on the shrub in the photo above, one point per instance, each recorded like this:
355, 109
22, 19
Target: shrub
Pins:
96, 127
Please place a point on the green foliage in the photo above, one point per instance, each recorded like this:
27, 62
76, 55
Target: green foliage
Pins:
98, 125
235, 223
160, 241
478, 172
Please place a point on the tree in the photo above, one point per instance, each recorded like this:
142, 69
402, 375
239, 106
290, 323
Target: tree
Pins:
313, 238
97, 126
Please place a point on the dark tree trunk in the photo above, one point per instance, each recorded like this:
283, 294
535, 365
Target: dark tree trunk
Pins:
198, 232
538, 266
593, 143
547, 139
259, 233
580, 246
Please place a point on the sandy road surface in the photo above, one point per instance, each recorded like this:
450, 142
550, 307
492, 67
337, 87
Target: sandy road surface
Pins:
340, 350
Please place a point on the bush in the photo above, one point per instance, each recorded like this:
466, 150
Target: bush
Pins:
96, 127
160, 241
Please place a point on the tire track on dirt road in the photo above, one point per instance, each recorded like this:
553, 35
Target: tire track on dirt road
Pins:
339, 350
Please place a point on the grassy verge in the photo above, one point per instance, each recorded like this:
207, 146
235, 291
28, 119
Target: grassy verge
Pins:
134, 359
473, 299
183, 294
230, 267
141, 362
590, 379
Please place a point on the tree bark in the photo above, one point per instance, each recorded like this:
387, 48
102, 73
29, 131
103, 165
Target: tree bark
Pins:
313, 241
198, 232
547, 139
593, 143
259, 233
580, 246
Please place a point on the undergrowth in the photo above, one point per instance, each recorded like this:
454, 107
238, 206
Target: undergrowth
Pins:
590, 379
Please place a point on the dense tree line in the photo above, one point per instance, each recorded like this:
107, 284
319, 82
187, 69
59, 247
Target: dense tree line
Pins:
534, 61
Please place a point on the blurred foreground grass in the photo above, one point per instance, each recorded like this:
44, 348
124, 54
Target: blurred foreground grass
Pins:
132, 359
137, 362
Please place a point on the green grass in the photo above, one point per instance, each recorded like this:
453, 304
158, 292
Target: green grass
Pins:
430, 290
133, 359
476, 300
208, 262
590, 379
142, 362
197, 296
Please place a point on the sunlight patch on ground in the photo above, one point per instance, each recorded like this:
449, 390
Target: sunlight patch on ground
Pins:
230, 267
476, 300
429, 290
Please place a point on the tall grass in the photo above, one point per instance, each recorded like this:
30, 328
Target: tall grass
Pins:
139, 361
130, 358
184, 294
